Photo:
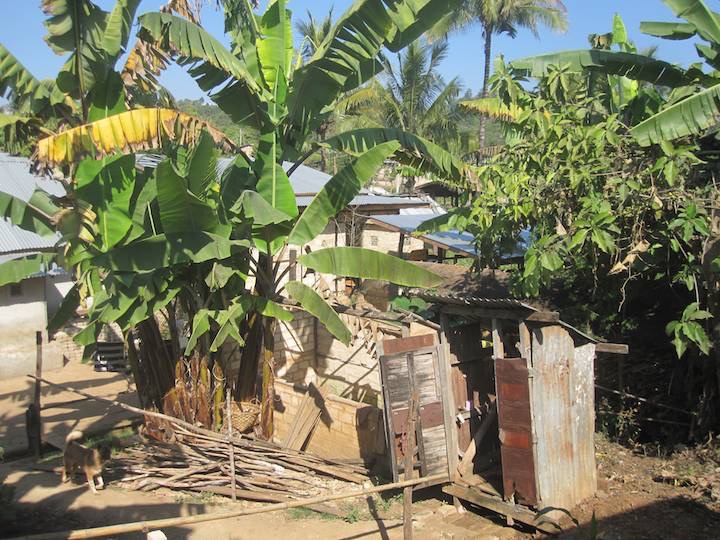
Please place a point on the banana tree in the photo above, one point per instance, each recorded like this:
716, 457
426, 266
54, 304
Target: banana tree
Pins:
87, 88
694, 105
261, 82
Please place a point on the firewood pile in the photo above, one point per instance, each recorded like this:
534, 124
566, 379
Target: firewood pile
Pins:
264, 471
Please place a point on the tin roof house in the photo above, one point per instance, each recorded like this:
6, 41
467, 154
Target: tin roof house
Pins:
27, 306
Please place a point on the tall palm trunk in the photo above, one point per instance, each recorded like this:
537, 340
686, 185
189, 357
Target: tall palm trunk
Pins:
486, 78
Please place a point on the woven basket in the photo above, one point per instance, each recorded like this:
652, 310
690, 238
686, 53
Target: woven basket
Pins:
245, 415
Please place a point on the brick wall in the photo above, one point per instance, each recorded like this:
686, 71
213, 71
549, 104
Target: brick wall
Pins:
347, 429
352, 371
295, 348
63, 340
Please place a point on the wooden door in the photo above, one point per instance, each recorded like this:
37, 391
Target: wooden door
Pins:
407, 365
515, 429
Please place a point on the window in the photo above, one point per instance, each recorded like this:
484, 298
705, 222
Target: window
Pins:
373, 240
16, 289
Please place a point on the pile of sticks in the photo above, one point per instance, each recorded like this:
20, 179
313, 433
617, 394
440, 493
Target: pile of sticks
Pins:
180, 455
201, 462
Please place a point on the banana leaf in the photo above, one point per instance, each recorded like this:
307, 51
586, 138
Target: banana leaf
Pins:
633, 66
337, 193
163, 250
131, 131
369, 264
314, 304
691, 116
15, 270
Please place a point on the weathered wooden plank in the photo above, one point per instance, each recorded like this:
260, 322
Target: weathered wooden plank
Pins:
515, 511
553, 353
408, 344
612, 348
449, 399
465, 468
498, 346
583, 415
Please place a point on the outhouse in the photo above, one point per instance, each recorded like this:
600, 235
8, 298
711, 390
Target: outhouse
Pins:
506, 401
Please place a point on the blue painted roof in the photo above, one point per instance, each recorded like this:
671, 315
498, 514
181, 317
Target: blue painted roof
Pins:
460, 242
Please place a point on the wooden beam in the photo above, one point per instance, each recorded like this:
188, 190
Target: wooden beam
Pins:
466, 465
448, 398
515, 511
485, 313
544, 317
612, 348
409, 468
515, 314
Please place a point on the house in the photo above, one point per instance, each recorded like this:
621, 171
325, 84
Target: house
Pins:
27, 306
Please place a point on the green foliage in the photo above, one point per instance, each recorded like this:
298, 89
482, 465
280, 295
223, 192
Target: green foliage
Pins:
184, 235
599, 209
689, 330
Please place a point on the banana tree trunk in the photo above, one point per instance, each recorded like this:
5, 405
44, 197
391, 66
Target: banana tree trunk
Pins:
486, 77
267, 395
247, 376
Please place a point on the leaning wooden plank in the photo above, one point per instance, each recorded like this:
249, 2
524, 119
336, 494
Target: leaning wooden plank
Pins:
466, 465
306, 419
126, 528
515, 511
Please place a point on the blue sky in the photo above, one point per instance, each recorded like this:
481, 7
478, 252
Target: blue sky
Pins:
23, 30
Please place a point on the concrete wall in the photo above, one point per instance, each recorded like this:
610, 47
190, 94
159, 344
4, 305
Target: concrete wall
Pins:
56, 288
22, 313
374, 237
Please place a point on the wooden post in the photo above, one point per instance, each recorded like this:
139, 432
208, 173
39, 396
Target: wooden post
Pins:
233, 486
445, 378
401, 245
498, 345
32, 415
409, 460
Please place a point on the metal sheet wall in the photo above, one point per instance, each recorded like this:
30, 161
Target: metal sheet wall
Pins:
563, 415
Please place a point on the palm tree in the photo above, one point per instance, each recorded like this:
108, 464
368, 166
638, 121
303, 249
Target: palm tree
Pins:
502, 17
411, 94
313, 32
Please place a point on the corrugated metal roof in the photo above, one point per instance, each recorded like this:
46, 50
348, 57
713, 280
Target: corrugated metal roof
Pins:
471, 300
488, 303
454, 240
17, 180
13, 239
306, 182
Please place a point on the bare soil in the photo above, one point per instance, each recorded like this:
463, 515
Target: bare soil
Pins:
646, 496
642, 495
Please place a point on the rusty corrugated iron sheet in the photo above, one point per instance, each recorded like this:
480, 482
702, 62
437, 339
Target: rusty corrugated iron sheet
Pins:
515, 430
563, 417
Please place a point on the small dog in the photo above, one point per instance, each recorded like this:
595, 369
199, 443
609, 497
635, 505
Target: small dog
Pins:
78, 458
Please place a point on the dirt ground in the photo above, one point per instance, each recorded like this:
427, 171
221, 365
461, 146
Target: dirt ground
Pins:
645, 496
37, 502
640, 496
